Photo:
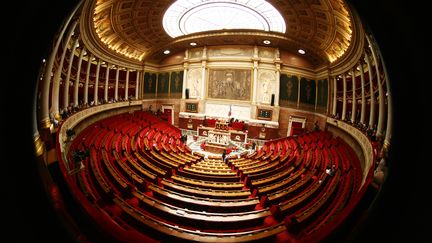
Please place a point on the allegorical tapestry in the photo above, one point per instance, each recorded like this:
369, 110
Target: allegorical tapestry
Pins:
176, 84
230, 84
149, 85
163, 85
307, 93
288, 90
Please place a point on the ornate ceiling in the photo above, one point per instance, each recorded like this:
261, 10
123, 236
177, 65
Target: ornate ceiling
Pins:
133, 29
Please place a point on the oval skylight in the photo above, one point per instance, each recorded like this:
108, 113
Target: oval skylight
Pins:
185, 17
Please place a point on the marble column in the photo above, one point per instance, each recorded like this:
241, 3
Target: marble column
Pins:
55, 90
66, 83
78, 77
344, 102
372, 94
106, 82
96, 85
86, 85
137, 79
48, 74
354, 98
116, 84
389, 127
381, 110
363, 98
334, 96
126, 97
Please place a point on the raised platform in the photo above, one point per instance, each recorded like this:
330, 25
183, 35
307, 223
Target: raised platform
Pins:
215, 148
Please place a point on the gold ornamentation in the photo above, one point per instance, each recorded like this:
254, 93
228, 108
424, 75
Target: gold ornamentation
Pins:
39, 146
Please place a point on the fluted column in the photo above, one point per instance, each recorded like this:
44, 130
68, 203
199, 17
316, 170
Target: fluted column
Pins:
363, 98
57, 75
86, 85
96, 85
344, 101
354, 98
137, 79
334, 96
372, 94
66, 83
116, 84
78, 76
106, 82
127, 85
48, 75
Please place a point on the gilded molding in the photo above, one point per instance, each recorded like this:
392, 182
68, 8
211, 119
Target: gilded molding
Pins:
46, 123
39, 146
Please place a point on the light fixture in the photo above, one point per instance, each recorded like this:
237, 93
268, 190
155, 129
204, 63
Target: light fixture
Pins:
193, 43
267, 42
301, 51
166, 52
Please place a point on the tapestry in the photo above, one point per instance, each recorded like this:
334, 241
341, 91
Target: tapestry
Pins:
163, 85
149, 85
176, 84
307, 93
288, 90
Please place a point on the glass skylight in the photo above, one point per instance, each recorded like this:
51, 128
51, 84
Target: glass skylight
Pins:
185, 17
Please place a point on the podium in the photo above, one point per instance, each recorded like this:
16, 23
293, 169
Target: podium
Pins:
219, 137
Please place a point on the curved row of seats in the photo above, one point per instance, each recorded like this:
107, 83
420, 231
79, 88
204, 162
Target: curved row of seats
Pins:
148, 181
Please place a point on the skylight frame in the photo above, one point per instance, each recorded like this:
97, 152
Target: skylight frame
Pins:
176, 20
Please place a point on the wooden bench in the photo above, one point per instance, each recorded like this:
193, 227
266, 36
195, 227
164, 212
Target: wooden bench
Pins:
208, 177
205, 192
136, 166
202, 219
302, 198
127, 172
155, 169
176, 232
204, 204
208, 184
96, 170
308, 211
272, 178
280, 194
